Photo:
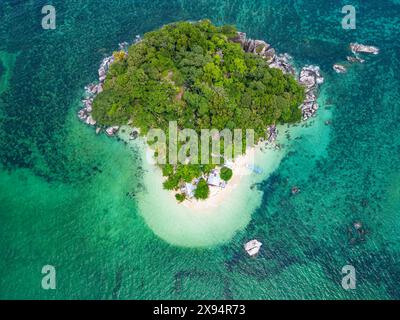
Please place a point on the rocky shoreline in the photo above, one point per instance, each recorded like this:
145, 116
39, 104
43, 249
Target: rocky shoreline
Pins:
310, 76
93, 89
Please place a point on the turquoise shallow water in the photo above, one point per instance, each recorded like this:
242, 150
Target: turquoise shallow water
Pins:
65, 194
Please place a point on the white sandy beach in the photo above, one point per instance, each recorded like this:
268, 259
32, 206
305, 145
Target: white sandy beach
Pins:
228, 211
210, 222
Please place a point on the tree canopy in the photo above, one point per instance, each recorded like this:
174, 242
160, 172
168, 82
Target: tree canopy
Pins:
226, 174
194, 74
202, 191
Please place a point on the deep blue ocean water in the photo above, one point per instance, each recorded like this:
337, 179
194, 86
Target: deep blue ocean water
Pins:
64, 192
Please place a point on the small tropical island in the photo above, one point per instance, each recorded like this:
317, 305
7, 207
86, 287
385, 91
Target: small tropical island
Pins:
199, 76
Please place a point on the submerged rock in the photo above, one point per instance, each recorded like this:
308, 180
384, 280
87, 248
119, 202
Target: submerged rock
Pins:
295, 190
357, 225
357, 233
133, 135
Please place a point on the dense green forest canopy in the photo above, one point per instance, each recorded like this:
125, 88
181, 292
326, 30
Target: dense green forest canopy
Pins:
195, 74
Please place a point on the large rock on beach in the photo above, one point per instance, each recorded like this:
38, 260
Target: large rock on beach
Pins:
253, 247
111, 131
